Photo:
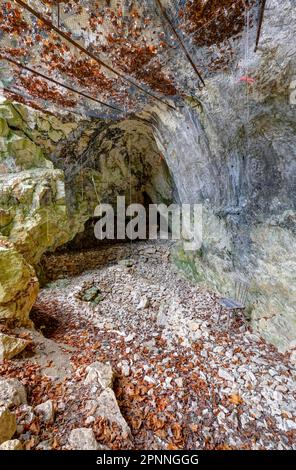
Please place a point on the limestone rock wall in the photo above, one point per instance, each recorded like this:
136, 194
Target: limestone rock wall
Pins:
230, 146
53, 173
234, 151
33, 212
18, 285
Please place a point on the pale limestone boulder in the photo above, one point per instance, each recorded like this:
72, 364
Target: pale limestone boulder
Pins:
107, 407
18, 285
11, 346
46, 411
14, 444
144, 303
12, 393
7, 424
83, 439
100, 374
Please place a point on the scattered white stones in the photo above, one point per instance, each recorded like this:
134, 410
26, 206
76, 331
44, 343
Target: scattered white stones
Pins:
150, 345
255, 413
130, 338
179, 382
144, 303
250, 376
149, 380
225, 375
277, 396
167, 382
194, 326
125, 370
290, 424
256, 386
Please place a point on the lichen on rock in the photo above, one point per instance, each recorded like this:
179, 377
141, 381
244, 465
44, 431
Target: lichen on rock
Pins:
7, 424
11, 346
18, 285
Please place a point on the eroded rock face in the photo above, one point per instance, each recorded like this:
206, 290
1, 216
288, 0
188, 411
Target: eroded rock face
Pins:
33, 210
230, 146
52, 176
18, 285
51, 182
274, 311
233, 151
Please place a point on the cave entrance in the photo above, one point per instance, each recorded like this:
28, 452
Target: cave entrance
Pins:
108, 160
121, 159
87, 239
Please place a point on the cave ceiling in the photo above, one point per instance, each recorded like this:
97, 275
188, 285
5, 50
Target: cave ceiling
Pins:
110, 58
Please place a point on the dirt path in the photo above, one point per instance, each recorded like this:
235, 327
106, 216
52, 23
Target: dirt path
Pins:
183, 382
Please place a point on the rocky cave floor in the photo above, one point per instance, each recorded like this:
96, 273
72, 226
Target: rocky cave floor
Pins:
182, 381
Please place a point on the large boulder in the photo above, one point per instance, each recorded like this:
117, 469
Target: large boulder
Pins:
34, 215
106, 406
46, 411
11, 346
100, 374
15, 141
7, 424
12, 393
18, 285
33, 212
